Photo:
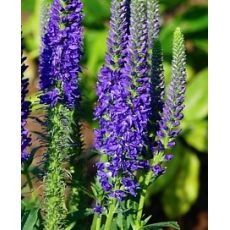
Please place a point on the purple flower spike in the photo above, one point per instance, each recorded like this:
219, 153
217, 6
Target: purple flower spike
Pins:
171, 144
134, 118
50, 55
124, 98
25, 111
61, 54
112, 96
71, 52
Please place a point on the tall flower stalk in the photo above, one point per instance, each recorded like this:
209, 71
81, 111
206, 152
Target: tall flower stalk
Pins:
135, 125
122, 140
110, 105
169, 121
126, 99
174, 104
59, 83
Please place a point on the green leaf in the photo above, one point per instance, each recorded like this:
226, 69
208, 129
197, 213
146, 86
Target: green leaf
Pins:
146, 220
31, 220
196, 135
192, 22
158, 226
196, 97
93, 16
31, 28
113, 225
201, 44
182, 192
95, 43
27, 6
30, 204
195, 24
24, 215
119, 220
69, 227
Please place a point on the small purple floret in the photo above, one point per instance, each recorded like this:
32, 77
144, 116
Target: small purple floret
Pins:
168, 157
118, 194
98, 209
158, 170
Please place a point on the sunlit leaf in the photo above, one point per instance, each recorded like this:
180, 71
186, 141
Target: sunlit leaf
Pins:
31, 28
196, 98
96, 12
157, 226
183, 190
196, 135
96, 40
70, 227
191, 22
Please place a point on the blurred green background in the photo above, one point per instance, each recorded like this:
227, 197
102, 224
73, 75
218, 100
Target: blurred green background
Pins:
182, 192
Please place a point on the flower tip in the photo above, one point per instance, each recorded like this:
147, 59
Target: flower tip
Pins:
178, 34
177, 31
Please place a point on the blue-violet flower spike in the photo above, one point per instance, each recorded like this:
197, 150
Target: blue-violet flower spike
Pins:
25, 111
111, 93
124, 104
61, 54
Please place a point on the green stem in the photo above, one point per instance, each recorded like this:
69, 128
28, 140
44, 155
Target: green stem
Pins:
98, 223
109, 217
54, 182
142, 199
94, 222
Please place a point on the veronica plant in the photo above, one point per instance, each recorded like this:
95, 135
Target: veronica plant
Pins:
138, 123
138, 120
59, 83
